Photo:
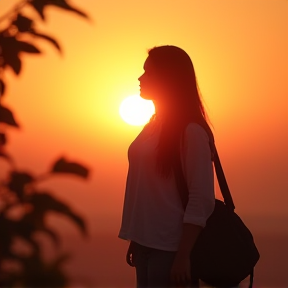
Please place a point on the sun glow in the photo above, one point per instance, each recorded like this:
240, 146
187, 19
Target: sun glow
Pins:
135, 110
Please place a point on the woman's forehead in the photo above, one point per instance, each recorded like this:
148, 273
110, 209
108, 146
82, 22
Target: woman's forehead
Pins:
148, 64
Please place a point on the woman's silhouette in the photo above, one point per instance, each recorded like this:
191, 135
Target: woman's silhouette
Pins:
160, 232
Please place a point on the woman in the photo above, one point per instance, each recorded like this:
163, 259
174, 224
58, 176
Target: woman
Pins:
162, 234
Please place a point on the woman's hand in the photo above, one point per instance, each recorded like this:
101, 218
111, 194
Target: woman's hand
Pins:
180, 271
129, 255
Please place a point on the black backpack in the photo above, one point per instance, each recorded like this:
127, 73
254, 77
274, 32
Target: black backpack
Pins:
224, 253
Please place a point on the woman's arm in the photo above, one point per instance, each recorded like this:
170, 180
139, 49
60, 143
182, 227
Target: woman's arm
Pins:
198, 171
189, 236
180, 272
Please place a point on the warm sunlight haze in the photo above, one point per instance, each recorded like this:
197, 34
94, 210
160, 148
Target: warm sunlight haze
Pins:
83, 105
136, 111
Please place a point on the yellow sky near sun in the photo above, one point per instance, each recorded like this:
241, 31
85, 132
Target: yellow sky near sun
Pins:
70, 104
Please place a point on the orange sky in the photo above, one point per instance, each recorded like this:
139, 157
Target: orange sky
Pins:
69, 105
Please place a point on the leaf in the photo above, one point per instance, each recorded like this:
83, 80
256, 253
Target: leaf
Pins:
10, 53
44, 202
78, 220
23, 23
13, 229
6, 116
48, 38
18, 181
2, 88
11, 47
54, 237
63, 166
64, 5
34, 221
27, 47
40, 5
6, 156
25, 230
3, 139
15, 64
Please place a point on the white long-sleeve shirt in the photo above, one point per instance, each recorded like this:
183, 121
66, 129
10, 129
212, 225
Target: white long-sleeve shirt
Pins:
153, 214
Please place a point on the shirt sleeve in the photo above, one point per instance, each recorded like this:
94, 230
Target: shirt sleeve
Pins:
198, 171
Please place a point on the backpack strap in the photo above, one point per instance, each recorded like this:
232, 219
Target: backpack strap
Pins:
182, 185
222, 180
251, 278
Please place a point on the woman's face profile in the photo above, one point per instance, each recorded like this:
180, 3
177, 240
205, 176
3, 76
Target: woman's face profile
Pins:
150, 81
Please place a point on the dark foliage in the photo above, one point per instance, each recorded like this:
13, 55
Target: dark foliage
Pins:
2, 86
63, 166
40, 5
3, 139
6, 116
10, 51
20, 192
23, 207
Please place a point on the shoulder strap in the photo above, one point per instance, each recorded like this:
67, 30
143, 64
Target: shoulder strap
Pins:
222, 181
183, 188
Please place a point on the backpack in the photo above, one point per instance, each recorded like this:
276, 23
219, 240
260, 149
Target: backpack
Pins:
224, 253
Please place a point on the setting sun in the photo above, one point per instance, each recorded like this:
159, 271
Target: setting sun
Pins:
135, 110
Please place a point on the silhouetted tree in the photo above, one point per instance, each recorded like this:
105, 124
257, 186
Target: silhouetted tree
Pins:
24, 207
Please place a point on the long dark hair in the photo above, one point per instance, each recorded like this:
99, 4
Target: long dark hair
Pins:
182, 105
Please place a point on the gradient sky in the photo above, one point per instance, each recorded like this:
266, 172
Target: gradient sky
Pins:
68, 105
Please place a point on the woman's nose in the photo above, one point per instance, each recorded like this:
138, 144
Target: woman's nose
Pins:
140, 77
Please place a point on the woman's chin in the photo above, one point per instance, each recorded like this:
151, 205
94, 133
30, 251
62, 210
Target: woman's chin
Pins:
145, 96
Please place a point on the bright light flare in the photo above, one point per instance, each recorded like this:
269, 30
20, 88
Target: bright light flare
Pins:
135, 110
